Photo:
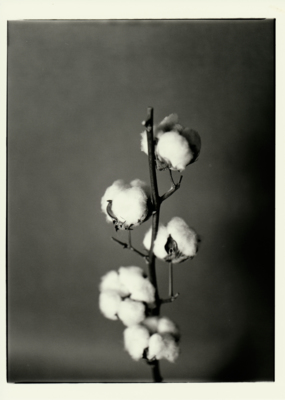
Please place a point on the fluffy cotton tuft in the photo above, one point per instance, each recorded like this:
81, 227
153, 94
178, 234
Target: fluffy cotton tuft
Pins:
109, 304
161, 239
151, 323
174, 150
136, 340
171, 350
141, 288
131, 312
111, 281
186, 238
175, 146
165, 325
156, 347
177, 230
129, 203
163, 346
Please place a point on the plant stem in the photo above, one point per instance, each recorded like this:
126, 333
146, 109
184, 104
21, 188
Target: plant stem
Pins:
170, 280
155, 221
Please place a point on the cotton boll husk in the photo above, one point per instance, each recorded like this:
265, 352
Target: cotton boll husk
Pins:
136, 340
131, 206
174, 149
185, 237
131, 312
167, 124
171, 348
109, 303
159, 243
151, 324
194, 140
156, 347
109, 194
111, 281
165, 325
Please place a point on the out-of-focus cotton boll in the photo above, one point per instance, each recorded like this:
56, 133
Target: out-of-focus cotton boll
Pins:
171, 350
141, 288
156, 347
127, 205
111, 281
159, 243
165, 325
151, 323
185, 237
136, 340
168, 123
173, 149
131, 312
109, 304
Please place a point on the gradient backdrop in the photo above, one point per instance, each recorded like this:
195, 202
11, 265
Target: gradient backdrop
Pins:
77, 93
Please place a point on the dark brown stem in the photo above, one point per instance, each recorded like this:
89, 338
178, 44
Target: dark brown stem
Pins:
155, 221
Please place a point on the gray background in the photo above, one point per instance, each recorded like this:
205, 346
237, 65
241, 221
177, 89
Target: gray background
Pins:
77, 93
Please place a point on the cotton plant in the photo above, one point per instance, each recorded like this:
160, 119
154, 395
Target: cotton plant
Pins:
129, 294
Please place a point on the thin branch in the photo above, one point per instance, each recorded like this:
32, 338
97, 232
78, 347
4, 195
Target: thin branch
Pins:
130, 247
173, 189
170, 299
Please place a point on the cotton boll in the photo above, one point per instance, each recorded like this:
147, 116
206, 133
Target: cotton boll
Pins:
110, 193
174, 150
159, 243
131, 312
171, 348
136, 340
131, 206
151, 323
165, 325
111, 281
109, 303
156, 347
143, 290
186, 238
140, 287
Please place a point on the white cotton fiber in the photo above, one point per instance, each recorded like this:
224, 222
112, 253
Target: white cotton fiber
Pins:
131, 312
140, 287
151, 324
109, 303
111, 281
109, 194
185, 237
136, 341
171, 349
174, 149
168, 123
160, 241
130, 206
156, 347
165, 325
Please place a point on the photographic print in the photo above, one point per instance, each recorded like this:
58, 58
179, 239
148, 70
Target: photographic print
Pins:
140, 200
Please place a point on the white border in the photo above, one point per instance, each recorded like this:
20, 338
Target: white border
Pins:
62, 9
